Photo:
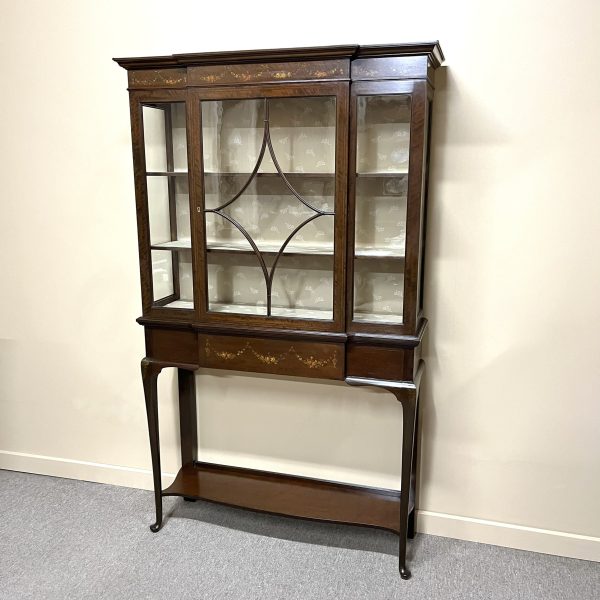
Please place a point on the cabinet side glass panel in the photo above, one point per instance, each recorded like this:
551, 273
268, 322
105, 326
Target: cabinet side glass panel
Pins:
165, 147
382, 153
269, 189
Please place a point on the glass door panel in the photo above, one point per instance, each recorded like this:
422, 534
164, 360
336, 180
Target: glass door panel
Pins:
269, 188
382, 153
165, 149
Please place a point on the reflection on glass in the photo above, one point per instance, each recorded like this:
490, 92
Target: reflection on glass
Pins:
169, 211
382, 157
383, 134
236, 284
158, 209
302, 285
380, 215
269, 212
378, 291
172, 278
162, 274
165, 141
165, 149
155, 146
186, 286
269, 188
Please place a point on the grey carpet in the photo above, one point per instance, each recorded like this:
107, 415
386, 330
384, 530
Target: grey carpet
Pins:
70, 539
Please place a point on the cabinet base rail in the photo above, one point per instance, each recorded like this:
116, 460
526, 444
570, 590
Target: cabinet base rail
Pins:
289, 495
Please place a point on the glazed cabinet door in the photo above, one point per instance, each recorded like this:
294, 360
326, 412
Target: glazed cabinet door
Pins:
271, 179
160, 149
388, 143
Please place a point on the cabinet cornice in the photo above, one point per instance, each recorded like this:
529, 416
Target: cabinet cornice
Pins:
430, 49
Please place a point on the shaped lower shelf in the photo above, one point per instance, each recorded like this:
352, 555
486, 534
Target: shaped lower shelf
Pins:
288, 495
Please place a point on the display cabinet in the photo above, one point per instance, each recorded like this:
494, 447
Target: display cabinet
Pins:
281, 203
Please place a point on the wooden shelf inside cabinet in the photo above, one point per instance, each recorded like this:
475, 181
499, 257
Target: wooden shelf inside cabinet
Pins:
276, 311
260, 310
180, 304
306, 175
166, 173
281, 213
290, 249
308, 498
383, 174
382, 253
173, 245
363, 317
270, 248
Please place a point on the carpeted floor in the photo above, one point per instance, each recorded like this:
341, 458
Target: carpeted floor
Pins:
69, 539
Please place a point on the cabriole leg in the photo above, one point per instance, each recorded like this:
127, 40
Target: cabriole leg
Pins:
412, 517
408, 399
407, 393
150, 372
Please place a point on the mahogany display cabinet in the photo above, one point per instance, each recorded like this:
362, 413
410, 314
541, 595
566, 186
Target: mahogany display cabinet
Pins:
281, 209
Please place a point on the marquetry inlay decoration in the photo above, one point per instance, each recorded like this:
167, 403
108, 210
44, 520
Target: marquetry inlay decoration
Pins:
312, 362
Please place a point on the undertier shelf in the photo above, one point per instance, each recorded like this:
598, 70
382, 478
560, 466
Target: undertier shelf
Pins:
288, 495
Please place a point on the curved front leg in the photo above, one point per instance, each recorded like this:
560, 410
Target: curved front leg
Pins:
150, 372
409, 400
407, 393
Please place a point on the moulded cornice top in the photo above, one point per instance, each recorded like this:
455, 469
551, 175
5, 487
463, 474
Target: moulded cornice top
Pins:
430, 49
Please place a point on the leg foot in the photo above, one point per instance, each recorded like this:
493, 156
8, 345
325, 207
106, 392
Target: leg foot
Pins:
187, 499
155, 527
405, 573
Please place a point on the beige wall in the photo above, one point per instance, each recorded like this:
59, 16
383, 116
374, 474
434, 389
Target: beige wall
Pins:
511, 443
